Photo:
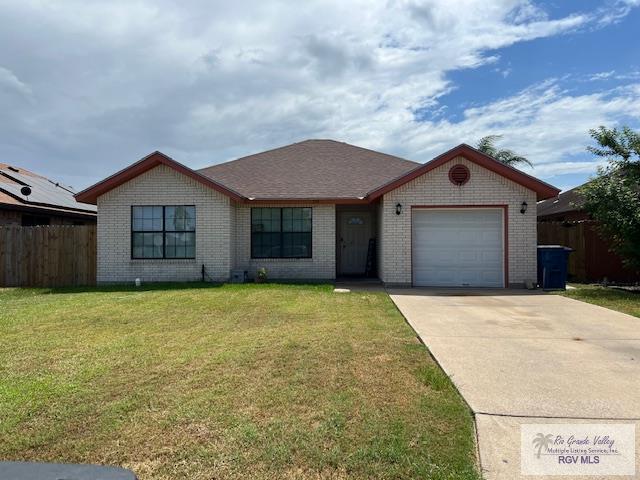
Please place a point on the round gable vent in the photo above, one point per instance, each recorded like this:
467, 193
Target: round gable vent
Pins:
459, 175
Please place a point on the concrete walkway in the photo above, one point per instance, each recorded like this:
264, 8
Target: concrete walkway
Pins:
528, 357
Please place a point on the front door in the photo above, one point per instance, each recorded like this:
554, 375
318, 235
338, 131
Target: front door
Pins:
355, 232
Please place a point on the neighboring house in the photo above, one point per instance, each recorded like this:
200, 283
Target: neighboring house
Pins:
563, 221
28, 199
566, 207
308, 211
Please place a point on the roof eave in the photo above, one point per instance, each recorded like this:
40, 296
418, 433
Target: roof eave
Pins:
303, 200
542, 189
51, 210
90, 195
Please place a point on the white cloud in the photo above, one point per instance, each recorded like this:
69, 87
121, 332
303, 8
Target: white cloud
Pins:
601, 76
505, 72
207, 81
546, 123
614, 12
563, 168
10, 84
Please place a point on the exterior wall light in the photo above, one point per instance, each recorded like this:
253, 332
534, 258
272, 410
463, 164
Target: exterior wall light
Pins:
398, 209
523, 207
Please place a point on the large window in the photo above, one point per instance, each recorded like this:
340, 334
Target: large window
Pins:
281, 232
163, 231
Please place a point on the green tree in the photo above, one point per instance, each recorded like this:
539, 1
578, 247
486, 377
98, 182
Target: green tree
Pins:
616, 144
508, 157
612, 198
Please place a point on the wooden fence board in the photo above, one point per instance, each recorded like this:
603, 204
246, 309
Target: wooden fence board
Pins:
569, 235
591, 260
48, 256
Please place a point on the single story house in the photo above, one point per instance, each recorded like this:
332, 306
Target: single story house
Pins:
28, 199
317, 210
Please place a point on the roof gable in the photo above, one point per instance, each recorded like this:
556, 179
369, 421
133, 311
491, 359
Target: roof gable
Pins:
91, 194
542, 189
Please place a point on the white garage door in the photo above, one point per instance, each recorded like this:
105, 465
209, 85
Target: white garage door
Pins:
458, 247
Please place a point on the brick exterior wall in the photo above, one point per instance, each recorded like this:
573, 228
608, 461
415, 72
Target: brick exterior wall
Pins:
434, 188
223, 234
322, 265
379, 239
223, 228
163, 186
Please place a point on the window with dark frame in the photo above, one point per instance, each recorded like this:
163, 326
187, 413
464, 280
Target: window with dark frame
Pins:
163, 231
281, 232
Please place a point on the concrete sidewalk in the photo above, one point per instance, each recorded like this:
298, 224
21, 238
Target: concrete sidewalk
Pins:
528, 357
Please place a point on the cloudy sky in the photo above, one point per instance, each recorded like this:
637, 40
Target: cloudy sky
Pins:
88, 87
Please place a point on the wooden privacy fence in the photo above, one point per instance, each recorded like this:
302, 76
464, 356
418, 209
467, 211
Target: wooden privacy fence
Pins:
569, 235
591, 260
48, 256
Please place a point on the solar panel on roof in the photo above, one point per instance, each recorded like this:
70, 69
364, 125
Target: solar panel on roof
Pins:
43, 191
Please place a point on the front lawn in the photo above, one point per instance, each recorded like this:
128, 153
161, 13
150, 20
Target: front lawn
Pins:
238, 381
625, 302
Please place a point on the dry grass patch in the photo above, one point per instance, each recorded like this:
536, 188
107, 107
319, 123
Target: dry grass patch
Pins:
243, 381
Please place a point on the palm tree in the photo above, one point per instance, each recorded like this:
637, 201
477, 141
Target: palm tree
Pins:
541, 441
508, 157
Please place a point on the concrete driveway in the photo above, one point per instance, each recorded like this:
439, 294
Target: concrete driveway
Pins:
528, 357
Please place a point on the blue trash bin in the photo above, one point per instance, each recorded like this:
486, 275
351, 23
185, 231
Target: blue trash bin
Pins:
553, 262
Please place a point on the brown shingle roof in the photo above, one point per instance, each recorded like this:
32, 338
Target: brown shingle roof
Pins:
569, 201
312, 169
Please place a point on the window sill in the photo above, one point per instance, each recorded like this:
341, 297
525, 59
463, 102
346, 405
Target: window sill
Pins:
163, 261
280, 260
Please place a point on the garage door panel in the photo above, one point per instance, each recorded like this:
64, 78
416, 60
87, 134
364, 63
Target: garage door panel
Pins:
478, 278
447, 257
494, 259
480, 258
436, 237
458, 247
467, 277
